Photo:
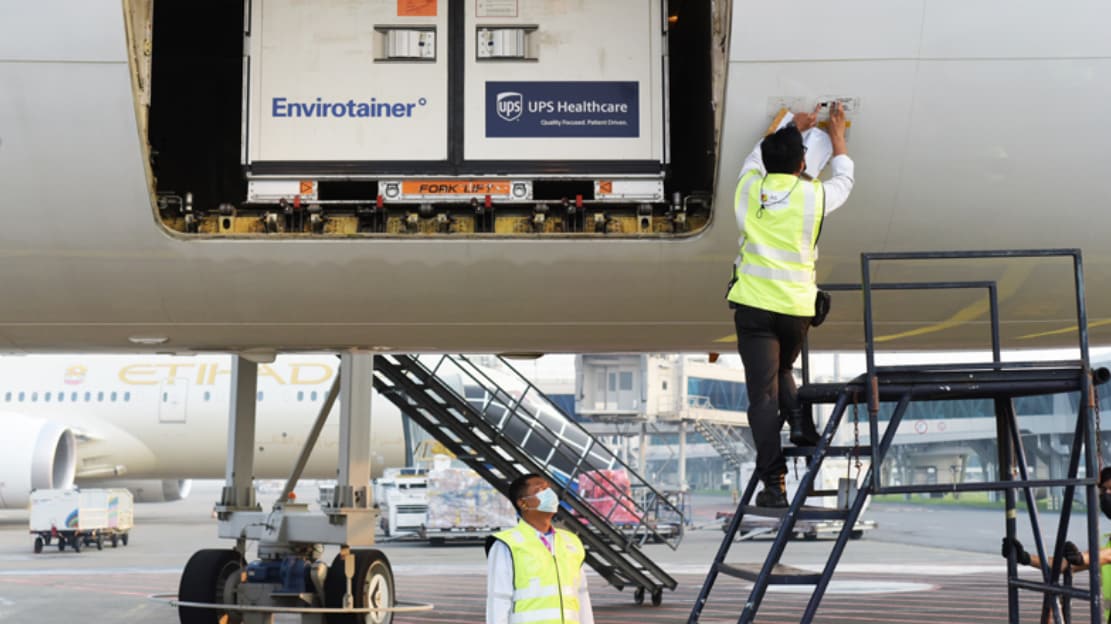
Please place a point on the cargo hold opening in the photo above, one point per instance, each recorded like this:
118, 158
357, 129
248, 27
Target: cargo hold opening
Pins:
235, 151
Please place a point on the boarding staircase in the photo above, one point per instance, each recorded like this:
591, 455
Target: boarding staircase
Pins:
500, 425
726, 440
887, 392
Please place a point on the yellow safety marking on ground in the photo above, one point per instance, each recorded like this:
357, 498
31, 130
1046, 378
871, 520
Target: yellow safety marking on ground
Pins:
1071, 329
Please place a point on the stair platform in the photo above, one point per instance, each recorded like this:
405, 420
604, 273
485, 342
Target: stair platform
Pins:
781, 574
806, 512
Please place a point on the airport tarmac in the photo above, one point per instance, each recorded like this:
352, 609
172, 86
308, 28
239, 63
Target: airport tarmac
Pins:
922, 564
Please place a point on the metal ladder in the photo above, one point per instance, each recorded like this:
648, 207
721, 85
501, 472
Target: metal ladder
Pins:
770, 571
500, 425
897, 386
725, 440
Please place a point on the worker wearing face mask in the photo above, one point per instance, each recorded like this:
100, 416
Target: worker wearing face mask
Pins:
534, 572
1078, 561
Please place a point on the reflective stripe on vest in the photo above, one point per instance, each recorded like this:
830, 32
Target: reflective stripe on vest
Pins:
1105, 582
545, 584
777, 253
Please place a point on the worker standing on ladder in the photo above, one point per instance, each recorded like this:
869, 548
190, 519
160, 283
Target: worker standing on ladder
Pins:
773, 294
534, 572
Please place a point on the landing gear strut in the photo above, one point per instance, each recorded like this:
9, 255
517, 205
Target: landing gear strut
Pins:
288, 576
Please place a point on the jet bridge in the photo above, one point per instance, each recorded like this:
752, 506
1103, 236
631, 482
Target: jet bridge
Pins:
502, 426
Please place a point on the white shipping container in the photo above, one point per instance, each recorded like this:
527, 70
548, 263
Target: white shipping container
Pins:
335, 80
588, 85
365, 84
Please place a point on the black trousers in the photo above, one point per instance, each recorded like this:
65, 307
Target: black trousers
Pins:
769, 344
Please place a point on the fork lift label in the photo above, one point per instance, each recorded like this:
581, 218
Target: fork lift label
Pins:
455, 188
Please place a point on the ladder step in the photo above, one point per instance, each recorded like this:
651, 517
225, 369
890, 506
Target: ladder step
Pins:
805, 513
781, 574
833, 451
823, 493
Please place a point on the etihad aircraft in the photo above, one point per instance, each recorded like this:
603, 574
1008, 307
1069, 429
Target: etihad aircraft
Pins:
151, 423
129, 224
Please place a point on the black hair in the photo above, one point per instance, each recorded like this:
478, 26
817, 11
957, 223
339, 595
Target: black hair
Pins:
1104, 475
519, 487
782, 151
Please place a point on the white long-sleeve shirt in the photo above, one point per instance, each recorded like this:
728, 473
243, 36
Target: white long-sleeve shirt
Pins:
837, 188
499, 586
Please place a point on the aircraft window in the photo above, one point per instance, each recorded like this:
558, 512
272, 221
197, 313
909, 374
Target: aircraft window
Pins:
7, 397
300, 395
20, 397
113, 397
46, 396
61, 396
88, 396
73, 397
34, 396
207, 395
260, 395
100, 396
165, 397
126, 396
312, 397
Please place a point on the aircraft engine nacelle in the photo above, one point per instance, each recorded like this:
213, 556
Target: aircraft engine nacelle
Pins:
150, 490
34, 454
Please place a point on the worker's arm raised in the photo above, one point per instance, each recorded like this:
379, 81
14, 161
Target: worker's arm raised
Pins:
837, 129
840, 184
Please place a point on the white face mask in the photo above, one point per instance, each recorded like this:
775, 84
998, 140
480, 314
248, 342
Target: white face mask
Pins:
549, 501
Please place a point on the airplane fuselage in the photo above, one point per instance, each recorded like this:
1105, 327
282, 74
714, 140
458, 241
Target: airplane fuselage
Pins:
977, 127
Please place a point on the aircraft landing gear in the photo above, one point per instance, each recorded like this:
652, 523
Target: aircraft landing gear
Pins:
371, 586
288, 576
210, 576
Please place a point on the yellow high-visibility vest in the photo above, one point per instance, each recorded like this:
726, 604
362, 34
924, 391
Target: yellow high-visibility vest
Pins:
779, 248
1104, 579
545, 584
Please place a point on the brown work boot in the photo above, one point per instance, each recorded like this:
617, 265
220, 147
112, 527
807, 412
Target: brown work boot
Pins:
774, 493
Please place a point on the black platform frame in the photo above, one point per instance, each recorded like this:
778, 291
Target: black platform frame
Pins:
997, 380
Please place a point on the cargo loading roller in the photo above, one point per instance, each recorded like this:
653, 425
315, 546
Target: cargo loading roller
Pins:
459, 119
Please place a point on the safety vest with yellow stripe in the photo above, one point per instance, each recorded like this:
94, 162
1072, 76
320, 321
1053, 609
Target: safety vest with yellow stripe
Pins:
775, 271
545, 584
1105, 580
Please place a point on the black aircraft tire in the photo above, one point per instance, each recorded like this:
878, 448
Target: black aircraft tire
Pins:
372, 586
203, 580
